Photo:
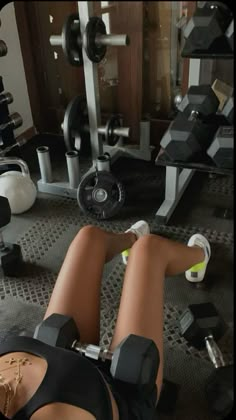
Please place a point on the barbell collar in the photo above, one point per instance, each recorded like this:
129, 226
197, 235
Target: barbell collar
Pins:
55, 40
119, 131
3, 48
6, 98
214, 352
112, 40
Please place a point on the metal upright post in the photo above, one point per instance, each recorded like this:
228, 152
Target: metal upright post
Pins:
91, 83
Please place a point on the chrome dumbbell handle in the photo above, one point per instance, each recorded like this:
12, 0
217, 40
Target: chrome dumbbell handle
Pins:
92, 351
214, 352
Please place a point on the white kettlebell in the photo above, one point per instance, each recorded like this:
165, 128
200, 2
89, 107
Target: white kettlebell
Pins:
17, 186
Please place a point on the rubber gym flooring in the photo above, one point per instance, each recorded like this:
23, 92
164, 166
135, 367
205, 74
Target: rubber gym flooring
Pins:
46, 230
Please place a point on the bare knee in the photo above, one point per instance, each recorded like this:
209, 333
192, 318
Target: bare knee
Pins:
150, 244
90, 233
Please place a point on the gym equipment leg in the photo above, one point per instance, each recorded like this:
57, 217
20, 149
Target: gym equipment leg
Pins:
176, 184
91, 83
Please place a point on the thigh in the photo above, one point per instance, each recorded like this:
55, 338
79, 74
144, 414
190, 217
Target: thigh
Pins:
77, 289
141, 306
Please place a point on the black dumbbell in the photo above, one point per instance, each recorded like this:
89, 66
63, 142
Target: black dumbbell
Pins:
208, 23
230, 34
3, 48
10, 123
10, 254
224, 117
1, 85
228, 110
190, 133
221, 150
13, 121
202, 326
135, 361
5, 99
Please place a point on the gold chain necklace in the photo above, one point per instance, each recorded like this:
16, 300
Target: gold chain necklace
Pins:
9, 392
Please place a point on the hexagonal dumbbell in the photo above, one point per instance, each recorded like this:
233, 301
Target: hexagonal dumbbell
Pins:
10, 254
190, 133
201, 325
230, 34
135, 360
207, 25
221, 150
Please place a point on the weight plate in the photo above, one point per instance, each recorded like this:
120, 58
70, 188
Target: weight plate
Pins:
70, 40
76, 117
100, 195
112, 123
94, 27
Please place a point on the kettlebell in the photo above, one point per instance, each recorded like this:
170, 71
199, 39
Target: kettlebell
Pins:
17, 186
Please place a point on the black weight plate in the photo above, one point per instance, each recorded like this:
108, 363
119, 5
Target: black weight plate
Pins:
112, 123
94, 27
76, 117
100, 195
70, 36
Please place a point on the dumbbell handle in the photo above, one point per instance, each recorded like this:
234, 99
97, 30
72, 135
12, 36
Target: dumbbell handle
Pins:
214, 352
3, 48
15, 121
193, 116
106, 40
92, 351
6, 97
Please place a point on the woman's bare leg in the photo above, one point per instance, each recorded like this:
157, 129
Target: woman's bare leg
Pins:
141, 307
77, 289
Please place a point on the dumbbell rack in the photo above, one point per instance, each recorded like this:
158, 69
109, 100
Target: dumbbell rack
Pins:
8, 122
179, 175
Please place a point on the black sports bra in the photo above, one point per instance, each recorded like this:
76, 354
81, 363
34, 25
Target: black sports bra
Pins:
70, 378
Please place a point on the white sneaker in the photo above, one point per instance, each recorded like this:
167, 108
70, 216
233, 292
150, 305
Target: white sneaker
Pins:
197, 272
139, 228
